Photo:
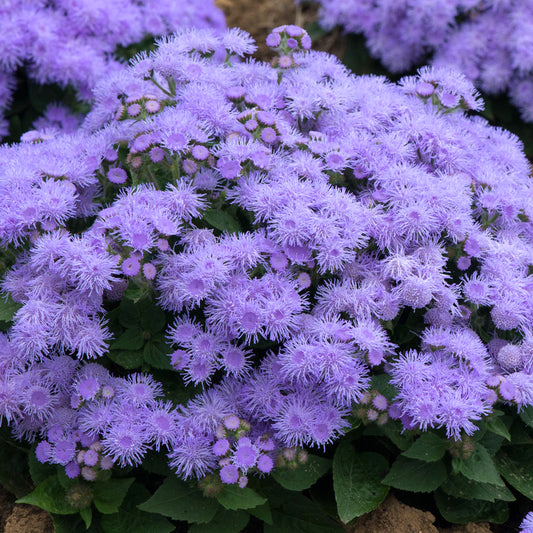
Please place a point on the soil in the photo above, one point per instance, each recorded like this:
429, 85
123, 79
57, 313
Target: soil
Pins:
20, 518
393, 516
259, 17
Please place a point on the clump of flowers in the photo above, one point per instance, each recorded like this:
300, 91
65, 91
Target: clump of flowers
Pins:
489, 41
291, 224
73, 42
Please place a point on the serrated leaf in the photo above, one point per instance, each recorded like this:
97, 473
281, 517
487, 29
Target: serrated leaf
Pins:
87, 516
50, 496
132, 520
156, 355
132, 339
298, 514
357, 480
153, 318
304, 476
235, 498
109, 495
459, 511
177, 500
415, 476
262, 512
462, 487
127, 359
497, 426
222, 220
428, 447
129, 315
478, 467
516, 466
224, 522
8, 308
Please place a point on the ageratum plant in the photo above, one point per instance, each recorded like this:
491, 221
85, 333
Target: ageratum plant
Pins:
73, 43
489, 41
232, 265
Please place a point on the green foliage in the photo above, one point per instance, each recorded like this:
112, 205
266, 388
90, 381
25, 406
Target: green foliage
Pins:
428, 447
462, 487
109, 495
478, 467
235, 498
416, 476
130, 519
459, 511
8, 308
179, 501
357, 481
224, 522
516, 466
50, 496
304, 476
222, 220
298, 514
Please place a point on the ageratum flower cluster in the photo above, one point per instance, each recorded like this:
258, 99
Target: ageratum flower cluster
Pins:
293, 221
72, 42
490, 41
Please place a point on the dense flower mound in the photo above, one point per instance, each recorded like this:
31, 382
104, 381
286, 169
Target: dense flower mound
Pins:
490, 41
303, 232
73, 41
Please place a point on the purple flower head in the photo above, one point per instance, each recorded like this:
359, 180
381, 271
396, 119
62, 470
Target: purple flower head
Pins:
229, 474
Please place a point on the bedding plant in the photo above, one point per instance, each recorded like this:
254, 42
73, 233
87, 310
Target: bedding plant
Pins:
239, 290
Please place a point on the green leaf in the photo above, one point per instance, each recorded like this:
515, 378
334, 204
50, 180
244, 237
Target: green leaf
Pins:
381, 382
520, 433
153, 318
262, 512
39, 471
177, 500
156, 355
516, 466
132, 339
50, 496
68, 523
298, 514
304, 476
223, 522
459, 511
428, 447
109, 495
462, 487
129, 314
131, 520
394, 431
527, 416
222, 220
496, 425
357, 481
87, 516
8, 308
478, 467
415, 475
234, 498
127, 359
